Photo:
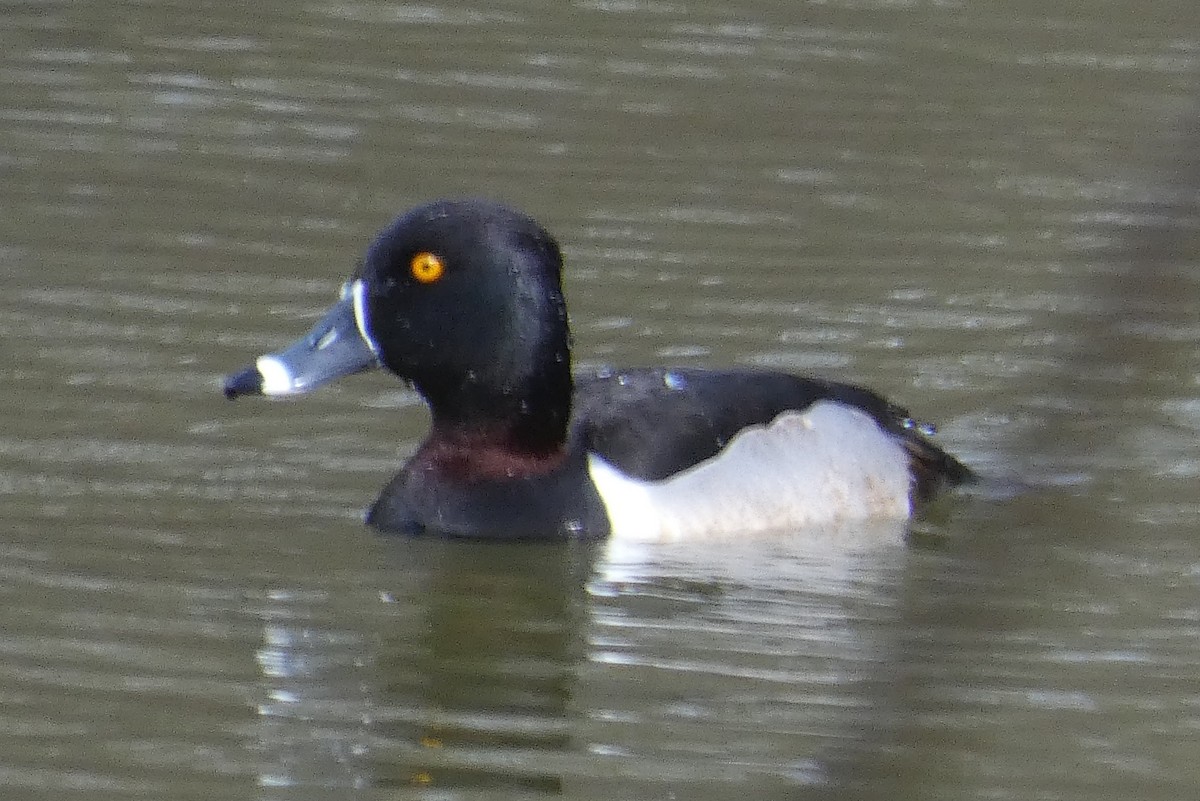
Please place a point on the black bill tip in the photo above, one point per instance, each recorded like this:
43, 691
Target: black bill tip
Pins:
245, 382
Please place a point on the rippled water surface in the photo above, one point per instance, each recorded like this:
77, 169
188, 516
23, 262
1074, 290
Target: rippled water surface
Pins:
985, 210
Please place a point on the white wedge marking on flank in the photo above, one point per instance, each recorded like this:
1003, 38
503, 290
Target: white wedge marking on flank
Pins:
825, 464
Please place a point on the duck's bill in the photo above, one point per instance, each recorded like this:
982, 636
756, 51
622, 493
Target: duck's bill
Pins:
335, 347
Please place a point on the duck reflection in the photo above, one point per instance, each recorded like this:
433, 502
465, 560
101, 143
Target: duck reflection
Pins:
580, 670
478, 688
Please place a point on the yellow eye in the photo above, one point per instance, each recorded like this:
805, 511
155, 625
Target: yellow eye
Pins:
426, 267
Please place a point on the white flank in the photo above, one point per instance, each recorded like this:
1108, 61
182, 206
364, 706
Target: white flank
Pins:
827, 464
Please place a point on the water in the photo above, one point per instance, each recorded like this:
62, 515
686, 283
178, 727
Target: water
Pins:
987, 211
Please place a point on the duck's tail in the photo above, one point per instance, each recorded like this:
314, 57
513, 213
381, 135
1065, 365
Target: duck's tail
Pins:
933, 469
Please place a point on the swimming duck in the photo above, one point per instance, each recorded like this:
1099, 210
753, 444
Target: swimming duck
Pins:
463, 299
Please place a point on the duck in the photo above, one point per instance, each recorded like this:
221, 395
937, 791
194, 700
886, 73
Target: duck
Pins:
463, 300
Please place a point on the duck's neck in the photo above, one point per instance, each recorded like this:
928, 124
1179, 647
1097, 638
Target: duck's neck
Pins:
510, 391
523, 413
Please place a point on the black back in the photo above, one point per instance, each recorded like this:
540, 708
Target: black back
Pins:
653, 423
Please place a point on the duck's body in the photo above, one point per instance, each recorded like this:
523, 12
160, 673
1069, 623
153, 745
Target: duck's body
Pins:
463, 299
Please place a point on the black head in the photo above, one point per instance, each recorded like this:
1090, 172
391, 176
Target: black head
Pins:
464, 299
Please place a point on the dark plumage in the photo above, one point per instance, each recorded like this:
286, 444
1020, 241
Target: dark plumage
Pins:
463, 299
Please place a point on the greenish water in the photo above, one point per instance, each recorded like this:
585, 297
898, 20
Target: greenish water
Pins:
986, 211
